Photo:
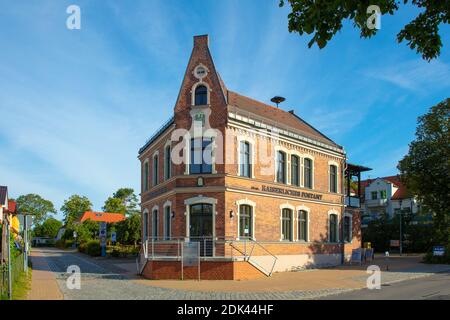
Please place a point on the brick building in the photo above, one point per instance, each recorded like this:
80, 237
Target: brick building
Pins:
257, 187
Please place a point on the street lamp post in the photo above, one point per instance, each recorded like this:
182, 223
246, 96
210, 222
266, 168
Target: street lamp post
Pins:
401, 235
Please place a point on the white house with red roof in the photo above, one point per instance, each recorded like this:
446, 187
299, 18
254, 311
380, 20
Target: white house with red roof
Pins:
387, 195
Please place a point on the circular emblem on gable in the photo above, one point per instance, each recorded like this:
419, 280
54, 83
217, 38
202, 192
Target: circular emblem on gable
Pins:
200, 71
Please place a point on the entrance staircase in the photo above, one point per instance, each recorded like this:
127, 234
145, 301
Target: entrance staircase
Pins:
250, 251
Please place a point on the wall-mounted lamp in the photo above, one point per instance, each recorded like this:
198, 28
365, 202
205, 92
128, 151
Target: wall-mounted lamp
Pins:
172, 215
231, 214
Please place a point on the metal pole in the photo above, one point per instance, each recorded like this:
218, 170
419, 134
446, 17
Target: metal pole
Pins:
401, 236
25, 245
8, 246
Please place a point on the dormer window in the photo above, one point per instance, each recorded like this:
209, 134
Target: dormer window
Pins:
201, 96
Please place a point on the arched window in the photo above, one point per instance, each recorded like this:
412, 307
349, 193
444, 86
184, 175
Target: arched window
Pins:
333, 227
201, 156
286, 225
303, 225
245, 222
155, 170
281, 167
167, 163
201, 96
167, 223
145, 225
308, 173
295, 173
146, 173
245, 159
347, 229
333, 178
155, 222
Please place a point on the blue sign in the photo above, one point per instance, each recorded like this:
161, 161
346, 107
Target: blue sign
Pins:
438, 251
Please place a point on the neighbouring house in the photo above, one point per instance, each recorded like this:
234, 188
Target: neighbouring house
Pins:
386, 195
102, 217
3, 202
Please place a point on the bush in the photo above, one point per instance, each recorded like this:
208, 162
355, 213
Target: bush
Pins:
429, 258
60, 244
93, 248
69, 243
122, 251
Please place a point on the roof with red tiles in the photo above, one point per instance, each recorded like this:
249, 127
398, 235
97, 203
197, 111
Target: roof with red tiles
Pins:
102, 217
284, 119
401, 193
12, 206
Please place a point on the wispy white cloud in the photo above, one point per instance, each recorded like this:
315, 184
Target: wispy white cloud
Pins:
415, 75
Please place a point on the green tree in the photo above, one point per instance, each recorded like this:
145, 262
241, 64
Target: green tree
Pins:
425, 169
324, 18
129, 230
74, 207
123, 201
114, 205
36, 206
49, 228
88, 230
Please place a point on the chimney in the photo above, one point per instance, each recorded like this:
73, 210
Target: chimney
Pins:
201, 41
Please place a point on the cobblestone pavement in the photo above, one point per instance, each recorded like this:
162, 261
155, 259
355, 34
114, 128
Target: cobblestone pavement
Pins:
103, 280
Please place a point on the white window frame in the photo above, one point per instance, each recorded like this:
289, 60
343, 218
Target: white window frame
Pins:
187, 170
333, 163
145, 216
303, 170
252, 204
349, 215
333, 212
300, 167
287, 164
167, 204
252, 145
167, 169
308, 212
208, 93
155, 169
155, 208
197, 200
292, 208
146, 179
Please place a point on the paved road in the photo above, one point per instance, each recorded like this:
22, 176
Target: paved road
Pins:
435, 287
101, 279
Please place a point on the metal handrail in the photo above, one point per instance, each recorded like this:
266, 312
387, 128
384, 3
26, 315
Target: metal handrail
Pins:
267, 251
171, 247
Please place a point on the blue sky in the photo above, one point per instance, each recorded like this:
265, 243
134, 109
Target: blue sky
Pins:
75, 106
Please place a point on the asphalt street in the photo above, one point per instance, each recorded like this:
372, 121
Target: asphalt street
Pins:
435, 287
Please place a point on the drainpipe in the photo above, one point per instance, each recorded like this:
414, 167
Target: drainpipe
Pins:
343, 213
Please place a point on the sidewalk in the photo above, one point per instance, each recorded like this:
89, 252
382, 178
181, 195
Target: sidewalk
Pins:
43, 282
339, 278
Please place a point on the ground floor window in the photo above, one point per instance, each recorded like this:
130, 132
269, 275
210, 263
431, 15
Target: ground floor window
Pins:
347, 229
245, 222
333, 227
303, 225
155, 222
201, 216
145, 225
286, 225
167, 224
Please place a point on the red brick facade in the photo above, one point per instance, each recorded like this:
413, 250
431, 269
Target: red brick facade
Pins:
227, 189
